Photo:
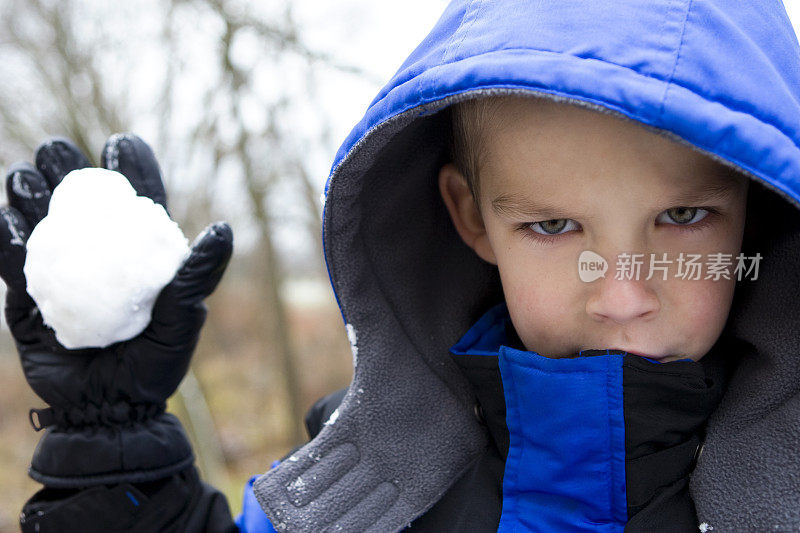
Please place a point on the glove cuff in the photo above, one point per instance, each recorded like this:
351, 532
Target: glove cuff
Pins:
107, 414
137, 451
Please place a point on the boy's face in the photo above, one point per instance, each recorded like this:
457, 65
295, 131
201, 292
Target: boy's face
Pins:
557, 180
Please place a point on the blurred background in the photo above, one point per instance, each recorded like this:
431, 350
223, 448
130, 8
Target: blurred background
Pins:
245, 104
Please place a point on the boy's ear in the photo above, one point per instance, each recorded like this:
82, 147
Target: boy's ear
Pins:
464, 212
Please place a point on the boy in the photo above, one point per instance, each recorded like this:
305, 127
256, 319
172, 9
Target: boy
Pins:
528, 158
496, 386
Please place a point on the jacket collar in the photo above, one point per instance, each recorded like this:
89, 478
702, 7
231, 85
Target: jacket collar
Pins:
638, 421
477, 354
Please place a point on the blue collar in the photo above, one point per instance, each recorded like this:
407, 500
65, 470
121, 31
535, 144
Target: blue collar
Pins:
565, 469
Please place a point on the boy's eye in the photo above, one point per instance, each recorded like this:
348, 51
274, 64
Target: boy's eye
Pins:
687, 218
683, 216
550, 227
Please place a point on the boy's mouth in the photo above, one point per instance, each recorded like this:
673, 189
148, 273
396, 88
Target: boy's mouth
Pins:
662, 358
597, 351
641, 354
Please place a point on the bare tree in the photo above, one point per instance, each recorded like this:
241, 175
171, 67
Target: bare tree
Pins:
58, 52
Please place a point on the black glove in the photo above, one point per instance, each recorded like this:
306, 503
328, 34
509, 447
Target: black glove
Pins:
106, 417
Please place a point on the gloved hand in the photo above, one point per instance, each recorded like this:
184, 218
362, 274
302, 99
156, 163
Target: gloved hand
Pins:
106, 421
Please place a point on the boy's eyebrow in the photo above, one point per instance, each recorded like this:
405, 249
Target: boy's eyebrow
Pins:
713, 190
517, 206
520, 206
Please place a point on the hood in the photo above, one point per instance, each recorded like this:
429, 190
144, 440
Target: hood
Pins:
720, 76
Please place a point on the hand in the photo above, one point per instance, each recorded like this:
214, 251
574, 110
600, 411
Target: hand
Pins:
106, 421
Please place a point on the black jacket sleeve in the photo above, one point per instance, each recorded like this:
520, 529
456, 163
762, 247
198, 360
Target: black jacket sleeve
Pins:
179, 503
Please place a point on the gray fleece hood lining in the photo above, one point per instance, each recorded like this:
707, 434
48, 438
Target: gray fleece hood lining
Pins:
409, 288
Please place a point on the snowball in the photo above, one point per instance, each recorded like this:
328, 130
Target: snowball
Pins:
98, 260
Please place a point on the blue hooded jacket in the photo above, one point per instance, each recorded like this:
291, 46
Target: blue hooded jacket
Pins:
721, 77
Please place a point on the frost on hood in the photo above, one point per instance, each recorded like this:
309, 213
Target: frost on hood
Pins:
96, 263
298, 485
351, 335
333, 417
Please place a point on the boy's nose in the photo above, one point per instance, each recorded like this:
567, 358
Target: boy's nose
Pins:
622, 300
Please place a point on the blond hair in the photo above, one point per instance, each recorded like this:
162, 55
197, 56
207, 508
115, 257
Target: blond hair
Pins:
471, 124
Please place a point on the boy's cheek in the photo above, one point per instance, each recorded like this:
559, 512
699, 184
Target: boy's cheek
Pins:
543, 311
698, 311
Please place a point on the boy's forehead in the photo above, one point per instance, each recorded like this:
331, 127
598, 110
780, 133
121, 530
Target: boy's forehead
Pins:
515, 189
536, 144
520, 202
550, 201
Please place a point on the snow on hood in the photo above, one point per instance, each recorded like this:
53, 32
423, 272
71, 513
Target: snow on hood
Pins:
721, 76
